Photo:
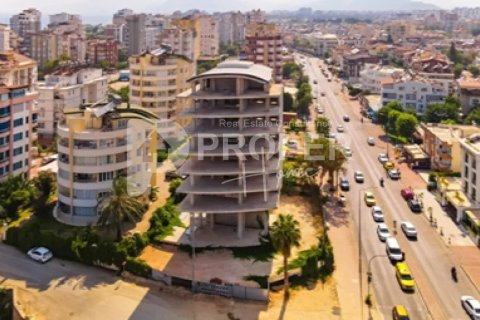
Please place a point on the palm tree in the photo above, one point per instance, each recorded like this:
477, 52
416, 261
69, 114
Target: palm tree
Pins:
285, 234
119, 207
332, 158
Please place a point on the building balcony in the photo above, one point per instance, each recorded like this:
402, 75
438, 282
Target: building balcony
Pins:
210, 112
74, 220
250, 184
221, 167
218, 204
209, 94
260, 147
253, 128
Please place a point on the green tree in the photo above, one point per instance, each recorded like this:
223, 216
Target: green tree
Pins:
406, 125
45, 186
291, 70
285, 234
123, 93
451, 99
322, 126
119, 207
393, 115
474, 70
458, 70
473, 116
287, 102
329, 156
438, 112
453, 53
383, 113
17, 192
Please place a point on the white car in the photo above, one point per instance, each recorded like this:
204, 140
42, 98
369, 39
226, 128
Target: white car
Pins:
382, 158
332, 135
40, 254
408, 229
377, 214
358, 176
371, 141
292, 144
340, 128
382, 231
394, 174
347, 151
472, 306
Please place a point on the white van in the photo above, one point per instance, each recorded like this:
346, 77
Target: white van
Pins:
393, 249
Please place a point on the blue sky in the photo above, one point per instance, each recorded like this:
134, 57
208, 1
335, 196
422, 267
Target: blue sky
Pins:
101, 9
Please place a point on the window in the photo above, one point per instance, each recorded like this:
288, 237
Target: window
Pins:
466, 172
105, 176
18, 122
17, 151
17, 165
18, 136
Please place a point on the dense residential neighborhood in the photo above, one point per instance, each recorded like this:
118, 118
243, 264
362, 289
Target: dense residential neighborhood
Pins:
258, 162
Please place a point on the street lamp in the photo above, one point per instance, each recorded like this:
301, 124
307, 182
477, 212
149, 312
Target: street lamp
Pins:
369, 272
360, 272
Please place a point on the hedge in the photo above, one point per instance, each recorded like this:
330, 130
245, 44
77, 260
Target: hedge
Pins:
138, 267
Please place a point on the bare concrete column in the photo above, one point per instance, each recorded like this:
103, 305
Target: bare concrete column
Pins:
240, 224
265, 222
212, 220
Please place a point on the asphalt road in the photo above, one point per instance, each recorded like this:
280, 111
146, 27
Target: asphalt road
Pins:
428, 257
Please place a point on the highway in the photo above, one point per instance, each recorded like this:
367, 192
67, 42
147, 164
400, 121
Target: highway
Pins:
428, 257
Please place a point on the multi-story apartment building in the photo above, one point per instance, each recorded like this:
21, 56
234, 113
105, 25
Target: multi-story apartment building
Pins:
97, 144
413, 93
182, 41
120, 17
4, 38
436, 68
324, 44
45, 46
102, 50
264, 45
156, 78
442, 143
354, 61
468, 90
26, 22
372, 75
255, 16
235, 161
231, 27
470, 162
209, 37
18, 113
135, 34
66, 88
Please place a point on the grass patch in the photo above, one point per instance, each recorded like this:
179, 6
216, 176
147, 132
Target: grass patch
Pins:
261, 280
396, 139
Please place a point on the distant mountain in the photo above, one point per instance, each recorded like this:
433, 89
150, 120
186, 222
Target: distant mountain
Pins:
372, 5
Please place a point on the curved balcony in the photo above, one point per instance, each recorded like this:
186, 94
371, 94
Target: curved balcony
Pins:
213, 112
257, 148
209, 185
252, 166
255, 128
219, 204
74, 220
93, 134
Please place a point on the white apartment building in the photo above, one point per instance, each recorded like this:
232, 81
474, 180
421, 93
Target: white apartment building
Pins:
372, 75
181, 40
413, 93
67, 88
470, 155
231, 27
156, 78
209, 37
324, 43
4, 37
96, 145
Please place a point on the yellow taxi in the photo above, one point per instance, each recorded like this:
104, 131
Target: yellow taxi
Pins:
369, 199
400, 313
388, 165
404, 277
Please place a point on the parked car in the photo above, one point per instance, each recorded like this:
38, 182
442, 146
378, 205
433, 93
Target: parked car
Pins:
471, 306
399, 312
414, 205
382, 157
407, 193
347, 151
172, 174
292, 144
369, 199
409, 229
394, 174
332, 135
393, 250
382, 231
346, 118
340, 128
358, 175
344, 184
315, 82
388, 165
371, 141
404, 276
40, 254
377, 214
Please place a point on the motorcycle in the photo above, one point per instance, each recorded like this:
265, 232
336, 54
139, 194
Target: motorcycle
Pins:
381, 182
453, 272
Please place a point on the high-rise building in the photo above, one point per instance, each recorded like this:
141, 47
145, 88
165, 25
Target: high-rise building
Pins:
181, 40
231, 27
18, 113
156, 78
45, 46
4, 38
96, 145
24, 23
255, 16
209, 37
135, 36
234, 155
67, 87
120, 17
264, 45
99, 50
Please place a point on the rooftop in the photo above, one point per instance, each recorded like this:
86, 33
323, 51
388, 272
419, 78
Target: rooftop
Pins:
237, 67
450, 133
469, 83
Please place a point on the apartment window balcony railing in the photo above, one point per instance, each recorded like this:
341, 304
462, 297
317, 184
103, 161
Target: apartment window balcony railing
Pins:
85, 145
84, 178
